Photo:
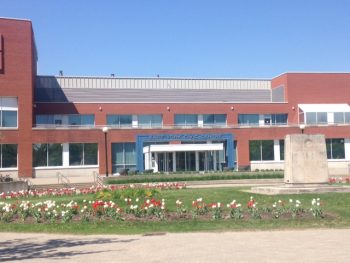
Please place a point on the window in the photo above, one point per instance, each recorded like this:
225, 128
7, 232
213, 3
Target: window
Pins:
8, 112
81, 119
261, 150
150, 121
341, 117
119, 120
82, 154
214, 119
269, 119
47, 154
186, 120
335, 148
65, 119
8, 155
279, 119
316, 117
123, 156
248, 119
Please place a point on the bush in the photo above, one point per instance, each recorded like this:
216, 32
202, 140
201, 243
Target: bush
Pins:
148, 171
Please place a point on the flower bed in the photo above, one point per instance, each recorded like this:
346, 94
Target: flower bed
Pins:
339, 180
86, 191
145, 209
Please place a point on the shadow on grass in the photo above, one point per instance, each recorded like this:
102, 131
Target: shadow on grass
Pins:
29, 248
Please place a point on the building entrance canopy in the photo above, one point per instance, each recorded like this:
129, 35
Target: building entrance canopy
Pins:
184, 157
184, 147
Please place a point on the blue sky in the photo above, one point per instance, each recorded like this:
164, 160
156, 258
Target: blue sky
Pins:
187, 38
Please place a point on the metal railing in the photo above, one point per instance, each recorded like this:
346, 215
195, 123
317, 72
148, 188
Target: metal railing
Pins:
98, 180
63, 180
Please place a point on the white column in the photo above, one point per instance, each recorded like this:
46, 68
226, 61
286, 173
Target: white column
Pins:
155, 163
276, 150
261, 119
214, 160
65, 154
135, 122
147, 160
347, 148
174, 161
330, 117
200, 120
197, 161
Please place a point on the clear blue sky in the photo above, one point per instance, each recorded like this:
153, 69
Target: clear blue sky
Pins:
187, 38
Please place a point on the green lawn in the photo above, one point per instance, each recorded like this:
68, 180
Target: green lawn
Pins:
335, 204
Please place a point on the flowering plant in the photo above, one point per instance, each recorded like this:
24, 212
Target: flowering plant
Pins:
199, 207
236, 210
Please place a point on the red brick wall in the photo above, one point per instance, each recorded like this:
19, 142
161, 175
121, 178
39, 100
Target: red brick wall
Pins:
16, 79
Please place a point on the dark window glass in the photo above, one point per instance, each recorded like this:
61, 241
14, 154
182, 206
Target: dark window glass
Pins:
279, 119
321, 117
39, 154
255, 150
261, 150
119, 120
54, 154
282, 149
335, 148
9, 155
9, 119
186, 120
248, 119
214, 119
76, 156
90, 153
267, 150
150, 120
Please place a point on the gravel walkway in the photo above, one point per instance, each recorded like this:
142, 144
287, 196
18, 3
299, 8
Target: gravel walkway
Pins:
326, 245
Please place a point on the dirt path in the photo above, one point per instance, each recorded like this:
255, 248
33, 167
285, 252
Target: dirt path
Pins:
262, 246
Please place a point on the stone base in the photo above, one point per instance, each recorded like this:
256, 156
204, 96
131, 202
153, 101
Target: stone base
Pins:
299, 189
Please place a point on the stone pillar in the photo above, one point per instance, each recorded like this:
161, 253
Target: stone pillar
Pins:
305, 159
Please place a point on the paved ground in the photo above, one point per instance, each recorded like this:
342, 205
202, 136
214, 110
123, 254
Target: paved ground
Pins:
262, 246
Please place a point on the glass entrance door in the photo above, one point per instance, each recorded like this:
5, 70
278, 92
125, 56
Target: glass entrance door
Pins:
165, 162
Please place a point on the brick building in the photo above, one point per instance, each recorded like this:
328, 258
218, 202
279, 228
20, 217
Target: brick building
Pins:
75, 124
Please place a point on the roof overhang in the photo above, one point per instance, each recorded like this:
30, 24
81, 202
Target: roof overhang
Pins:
324, 107
184, 147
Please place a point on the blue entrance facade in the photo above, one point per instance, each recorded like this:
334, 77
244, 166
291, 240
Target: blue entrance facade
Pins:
156, 138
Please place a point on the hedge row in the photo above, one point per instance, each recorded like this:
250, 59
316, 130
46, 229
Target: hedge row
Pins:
169, 178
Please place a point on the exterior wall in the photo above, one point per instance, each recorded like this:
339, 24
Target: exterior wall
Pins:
16, 79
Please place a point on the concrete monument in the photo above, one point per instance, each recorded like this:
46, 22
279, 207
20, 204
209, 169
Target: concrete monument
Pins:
305, 159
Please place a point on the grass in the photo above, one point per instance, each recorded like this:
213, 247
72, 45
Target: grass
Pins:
338, 204
193, 177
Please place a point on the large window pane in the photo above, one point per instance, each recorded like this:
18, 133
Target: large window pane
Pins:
186, 120
76, 154
9, 155
9, 119
267, 150
214, 119
54, 154
90, 153
279, 119
255, 150
248, 119
150, 120
339, 117
125, 120
335, 148
311, 117
321, 117
129, 153
39, 155
347, 117
87, 119
123, 156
